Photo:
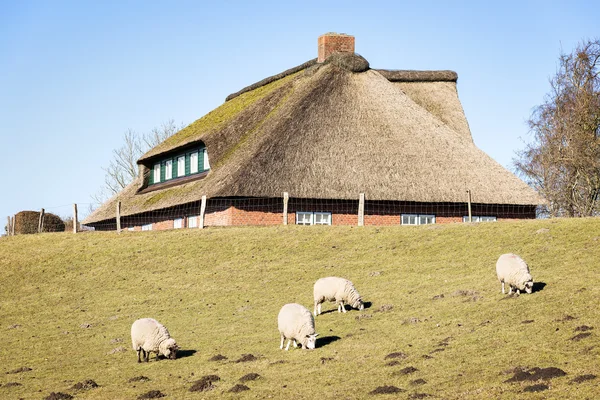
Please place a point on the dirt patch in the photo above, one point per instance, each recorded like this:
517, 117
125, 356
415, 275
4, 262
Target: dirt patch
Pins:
472, 295
375, 273
536, 374
528, 321
116, 350
12, 384
580, 336
445, 342
153, 394
437, 350
406, 371
252, 376
566, 318
14, 326
386, 307
418, 395
387, 390
279, 362
397, 354
438, 296
85, 385
542, 230
583, 328
536, 388
363, 316
393, 363
411, 320
510, 296
246, 358
583, 378
19, 370
140, 378
116, 340
417, 382
85, 326
427, 356
58, 396
218, 357
205, 383
325, 359
238, 388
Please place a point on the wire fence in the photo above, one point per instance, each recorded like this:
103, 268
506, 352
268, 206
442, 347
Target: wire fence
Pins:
271, 211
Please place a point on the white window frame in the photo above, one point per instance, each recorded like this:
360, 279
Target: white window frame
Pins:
325, 218
417, 219
301, 218
193, 221
482, 218
181, 166
178, 223
206, 165
156, 173
131, 228
168, 169
147, 227
194, 163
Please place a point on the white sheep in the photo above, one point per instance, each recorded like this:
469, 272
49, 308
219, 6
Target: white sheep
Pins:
336, 289
512, 270
296, 324
149, 335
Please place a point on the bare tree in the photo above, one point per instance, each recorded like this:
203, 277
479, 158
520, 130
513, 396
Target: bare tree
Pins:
563, 161
123, 169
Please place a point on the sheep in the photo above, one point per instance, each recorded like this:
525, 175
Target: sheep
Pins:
511, 269
339, 290
148, 335
296, 324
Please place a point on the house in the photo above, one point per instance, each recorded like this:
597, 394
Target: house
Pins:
347, 144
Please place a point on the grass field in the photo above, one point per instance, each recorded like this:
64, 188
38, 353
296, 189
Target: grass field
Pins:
435, 324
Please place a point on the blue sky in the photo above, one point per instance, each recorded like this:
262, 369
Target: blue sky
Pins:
75, 75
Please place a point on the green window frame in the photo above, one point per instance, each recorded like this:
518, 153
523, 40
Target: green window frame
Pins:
192, 162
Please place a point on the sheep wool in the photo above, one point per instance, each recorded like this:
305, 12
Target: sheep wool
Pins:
336, 289
296, 323
149, 335
512, 270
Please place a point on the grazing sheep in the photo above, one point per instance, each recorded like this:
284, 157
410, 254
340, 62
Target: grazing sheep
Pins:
148, 335
511, 269
339, 290
296, 323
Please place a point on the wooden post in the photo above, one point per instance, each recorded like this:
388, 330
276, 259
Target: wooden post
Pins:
8, 225
202, 211
75, 222
41, 221
286, 198
469, 205
118, 217
361, 209
13, 221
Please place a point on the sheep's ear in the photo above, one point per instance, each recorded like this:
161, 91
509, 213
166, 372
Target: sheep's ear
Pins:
316, 334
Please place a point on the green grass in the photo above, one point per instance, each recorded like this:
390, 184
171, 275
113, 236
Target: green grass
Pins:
219, 291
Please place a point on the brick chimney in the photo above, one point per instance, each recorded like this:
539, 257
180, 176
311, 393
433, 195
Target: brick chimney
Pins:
334, 42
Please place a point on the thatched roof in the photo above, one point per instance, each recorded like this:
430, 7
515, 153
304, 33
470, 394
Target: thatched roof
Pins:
328, 133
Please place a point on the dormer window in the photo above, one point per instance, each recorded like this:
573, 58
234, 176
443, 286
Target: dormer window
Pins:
191, 162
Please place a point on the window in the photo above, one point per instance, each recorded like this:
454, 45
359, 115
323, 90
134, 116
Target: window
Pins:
147, 227
156, 173
131, 228
168, 169
313, 218
416, 219
475, 218
181, 166
303, 218
205, 158
194, 163
322, 218
193, 222
178, 223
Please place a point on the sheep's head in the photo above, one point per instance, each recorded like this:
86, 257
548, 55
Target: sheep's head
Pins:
529, 286
310, 341
169, 348
358, 304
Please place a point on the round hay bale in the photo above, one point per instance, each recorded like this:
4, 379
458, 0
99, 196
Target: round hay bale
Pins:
27, 222
349, 61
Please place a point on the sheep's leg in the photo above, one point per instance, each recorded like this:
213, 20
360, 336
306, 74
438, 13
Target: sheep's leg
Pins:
319, 308
502, 287
343, 306
138, 354
288, 345
295, 344
510, 289
518, 291
282, 340
316, 305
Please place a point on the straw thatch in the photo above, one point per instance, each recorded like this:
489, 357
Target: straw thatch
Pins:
349, 61
418, 76
26, 222
327, 133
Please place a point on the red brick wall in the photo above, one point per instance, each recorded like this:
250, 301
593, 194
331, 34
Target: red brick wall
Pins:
332, 42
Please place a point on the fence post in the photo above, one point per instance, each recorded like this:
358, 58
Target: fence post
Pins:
8, 226
202, 211
118, 217
361, 209
469, 204
75, 223
13, 221
41, 221
286, 198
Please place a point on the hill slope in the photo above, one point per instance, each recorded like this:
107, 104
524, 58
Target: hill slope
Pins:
67, 303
